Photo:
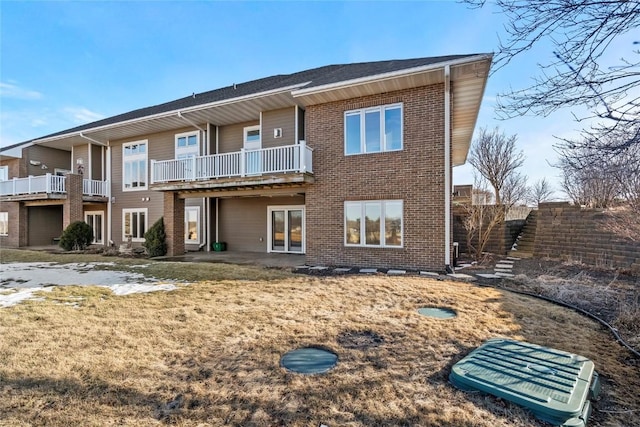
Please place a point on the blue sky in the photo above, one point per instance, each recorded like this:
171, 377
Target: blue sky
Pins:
69, 63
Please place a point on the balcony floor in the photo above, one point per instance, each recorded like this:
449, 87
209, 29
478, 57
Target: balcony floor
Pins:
238, 183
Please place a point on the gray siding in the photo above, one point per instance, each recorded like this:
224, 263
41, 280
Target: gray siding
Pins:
44, 223
232, 136
51, 157
243, 221
284, 119
160, 146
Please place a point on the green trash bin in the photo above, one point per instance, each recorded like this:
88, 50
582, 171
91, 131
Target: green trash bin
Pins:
219, 246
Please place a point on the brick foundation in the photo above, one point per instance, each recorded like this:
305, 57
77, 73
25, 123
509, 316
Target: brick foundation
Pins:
174, 223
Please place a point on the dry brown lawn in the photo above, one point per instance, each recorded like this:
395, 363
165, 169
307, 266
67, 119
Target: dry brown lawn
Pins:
209, 354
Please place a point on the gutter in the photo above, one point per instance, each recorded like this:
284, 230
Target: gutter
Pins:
391, 75
167, 114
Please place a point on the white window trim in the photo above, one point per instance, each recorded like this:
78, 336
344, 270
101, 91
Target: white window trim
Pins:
146, 223
270, 209
248, 129
4, 217
187, 150
362, 204
198, 228
136, 157
94, 213
4, 173
383, 139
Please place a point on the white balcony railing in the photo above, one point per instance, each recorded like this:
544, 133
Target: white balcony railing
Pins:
92, 187
33, 185
290, 158
50, 184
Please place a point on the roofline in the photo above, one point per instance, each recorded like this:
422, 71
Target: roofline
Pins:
391, 74
171, 113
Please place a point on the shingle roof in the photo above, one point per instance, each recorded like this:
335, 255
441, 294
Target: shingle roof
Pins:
314, 77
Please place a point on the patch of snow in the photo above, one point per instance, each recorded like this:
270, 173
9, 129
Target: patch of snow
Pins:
38, 274
136, 288
17, 296
20, 281
368, 270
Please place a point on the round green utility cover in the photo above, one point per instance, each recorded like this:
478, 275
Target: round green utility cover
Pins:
437, 312
309, 360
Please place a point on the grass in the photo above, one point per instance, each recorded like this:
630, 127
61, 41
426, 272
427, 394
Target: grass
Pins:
179, 271
209, 354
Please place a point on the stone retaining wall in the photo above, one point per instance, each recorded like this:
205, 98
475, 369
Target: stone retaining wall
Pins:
573, 233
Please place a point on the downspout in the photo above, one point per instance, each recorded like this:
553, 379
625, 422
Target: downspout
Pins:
109, 198
190, 122
81, 135
447, 169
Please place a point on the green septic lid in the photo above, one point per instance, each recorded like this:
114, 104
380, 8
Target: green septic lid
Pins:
555, 385
437, 312
309, 360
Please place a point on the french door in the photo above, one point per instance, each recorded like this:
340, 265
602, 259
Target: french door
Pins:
286, 229
95, 219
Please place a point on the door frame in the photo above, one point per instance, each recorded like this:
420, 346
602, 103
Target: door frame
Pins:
101, 213
286, 208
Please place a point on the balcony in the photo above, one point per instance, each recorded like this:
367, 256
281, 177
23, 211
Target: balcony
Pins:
277, 165
49, 187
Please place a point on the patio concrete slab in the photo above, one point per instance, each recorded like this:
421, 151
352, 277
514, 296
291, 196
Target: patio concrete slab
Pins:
488, 276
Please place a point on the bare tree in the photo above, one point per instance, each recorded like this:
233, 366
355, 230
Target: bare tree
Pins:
580, 33
481, 219
495, 157
540, 191
589, 185
514, 190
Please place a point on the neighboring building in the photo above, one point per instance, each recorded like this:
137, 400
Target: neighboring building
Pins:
348, 164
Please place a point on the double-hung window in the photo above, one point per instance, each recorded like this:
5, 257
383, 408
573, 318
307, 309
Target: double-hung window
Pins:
373, 223
134, 166
134, 224
4, 223
373, 130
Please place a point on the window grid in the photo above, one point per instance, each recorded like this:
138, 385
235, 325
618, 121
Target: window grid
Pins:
374, 223
134, 224
134, 166
373, 129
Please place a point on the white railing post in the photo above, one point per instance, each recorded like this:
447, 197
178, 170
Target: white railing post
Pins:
48, 184
193, 168
243, 161
14, 185
153, 171
302, 152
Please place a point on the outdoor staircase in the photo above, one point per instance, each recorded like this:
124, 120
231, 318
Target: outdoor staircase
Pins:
523, 247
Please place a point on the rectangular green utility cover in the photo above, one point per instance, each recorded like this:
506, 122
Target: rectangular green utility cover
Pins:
555, 385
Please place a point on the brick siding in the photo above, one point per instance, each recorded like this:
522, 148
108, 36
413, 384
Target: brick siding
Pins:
414, 175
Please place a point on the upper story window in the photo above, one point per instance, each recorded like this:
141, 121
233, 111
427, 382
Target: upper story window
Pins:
251, 135
4, 173
373, 130
187, 145
134, 166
